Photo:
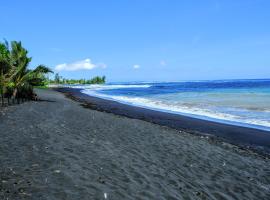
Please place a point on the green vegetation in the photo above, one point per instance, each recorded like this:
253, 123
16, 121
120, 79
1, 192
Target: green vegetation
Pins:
42, 87
16, 79
59, 80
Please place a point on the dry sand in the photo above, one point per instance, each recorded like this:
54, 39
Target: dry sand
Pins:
56, 149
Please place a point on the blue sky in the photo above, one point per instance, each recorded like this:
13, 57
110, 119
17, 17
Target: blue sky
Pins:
144, 40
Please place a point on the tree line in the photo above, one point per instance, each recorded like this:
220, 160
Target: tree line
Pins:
60, 80
16, 78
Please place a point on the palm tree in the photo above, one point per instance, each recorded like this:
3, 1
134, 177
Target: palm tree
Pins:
22, 77
16, 77
4, 68
19, 63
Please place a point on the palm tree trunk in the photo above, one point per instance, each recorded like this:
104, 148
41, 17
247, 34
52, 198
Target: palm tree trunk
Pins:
14, 94
2, 99
2, 95
2, 87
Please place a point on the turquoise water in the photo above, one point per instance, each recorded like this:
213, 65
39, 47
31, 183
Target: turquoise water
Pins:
241, 102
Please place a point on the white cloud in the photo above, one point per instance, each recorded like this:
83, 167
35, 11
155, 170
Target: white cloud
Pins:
163, 63
136, 66
79, 65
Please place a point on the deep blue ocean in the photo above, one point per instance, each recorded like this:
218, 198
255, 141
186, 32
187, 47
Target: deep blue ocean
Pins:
240, 102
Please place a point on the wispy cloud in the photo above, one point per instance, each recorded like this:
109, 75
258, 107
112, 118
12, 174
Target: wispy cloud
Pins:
79, 65
163, 63
195, 40
136, 66
102, 65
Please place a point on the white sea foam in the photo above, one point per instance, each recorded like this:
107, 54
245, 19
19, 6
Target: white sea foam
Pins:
108, 87
181, 108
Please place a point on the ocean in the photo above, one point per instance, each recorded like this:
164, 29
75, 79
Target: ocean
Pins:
237, 102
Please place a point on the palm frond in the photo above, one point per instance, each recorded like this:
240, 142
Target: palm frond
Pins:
42, 69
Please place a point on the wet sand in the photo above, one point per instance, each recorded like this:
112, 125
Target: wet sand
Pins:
58, 149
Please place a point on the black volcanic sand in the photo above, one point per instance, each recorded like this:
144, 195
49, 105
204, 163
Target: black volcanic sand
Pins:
57, 149
248, 138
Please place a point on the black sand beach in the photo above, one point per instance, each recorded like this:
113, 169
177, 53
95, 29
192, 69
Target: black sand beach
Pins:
249, 138
56, 148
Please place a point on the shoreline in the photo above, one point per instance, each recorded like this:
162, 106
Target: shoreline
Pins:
55, 148
186, 114
244, 137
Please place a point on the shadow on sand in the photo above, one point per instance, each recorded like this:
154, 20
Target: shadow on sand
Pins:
45, 100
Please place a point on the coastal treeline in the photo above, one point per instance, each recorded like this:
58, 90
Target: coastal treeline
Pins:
60, 80
16, 78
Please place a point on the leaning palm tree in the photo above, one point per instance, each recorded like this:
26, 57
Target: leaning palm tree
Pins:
21, 76
19, 79
19, 70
